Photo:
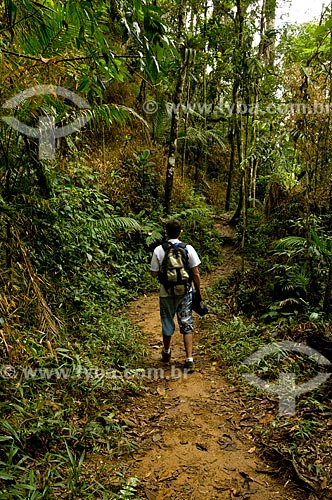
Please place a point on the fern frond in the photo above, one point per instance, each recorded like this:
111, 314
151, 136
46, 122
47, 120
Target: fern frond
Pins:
291, 301
322, 244
200, 136
154, 237
110, 226
108, 113
291, 242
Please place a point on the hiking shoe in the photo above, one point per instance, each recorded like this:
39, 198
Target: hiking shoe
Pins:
166, 356
189, 366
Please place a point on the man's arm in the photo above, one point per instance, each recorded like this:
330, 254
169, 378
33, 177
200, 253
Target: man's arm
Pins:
196, 279
155, 266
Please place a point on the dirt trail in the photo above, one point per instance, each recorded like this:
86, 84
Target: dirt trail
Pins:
194, 442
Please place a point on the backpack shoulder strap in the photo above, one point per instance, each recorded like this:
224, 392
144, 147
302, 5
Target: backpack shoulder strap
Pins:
166, 245
183, 247
184, 251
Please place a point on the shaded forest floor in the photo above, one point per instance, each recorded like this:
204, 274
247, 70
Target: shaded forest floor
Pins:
192, 433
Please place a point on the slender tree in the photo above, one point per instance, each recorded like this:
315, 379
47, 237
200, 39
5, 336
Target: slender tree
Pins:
172, 160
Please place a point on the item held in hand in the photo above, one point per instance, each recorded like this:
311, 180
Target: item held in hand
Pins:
198, 304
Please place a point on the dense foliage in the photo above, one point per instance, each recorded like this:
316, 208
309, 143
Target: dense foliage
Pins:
189, 109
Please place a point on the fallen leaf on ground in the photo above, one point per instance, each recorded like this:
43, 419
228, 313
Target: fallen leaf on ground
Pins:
267, 418
167, 475
150, 495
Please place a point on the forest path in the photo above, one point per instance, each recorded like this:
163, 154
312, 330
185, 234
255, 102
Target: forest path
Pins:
193, 431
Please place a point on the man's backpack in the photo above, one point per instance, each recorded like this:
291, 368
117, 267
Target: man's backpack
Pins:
175, 273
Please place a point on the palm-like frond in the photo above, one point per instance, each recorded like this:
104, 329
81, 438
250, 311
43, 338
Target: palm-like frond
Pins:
109, 113
296, 279
109, 226
202, 137
290, 301
61, 26
296, 244
57, 35
324, 245
154, 237
291, 243
161, 120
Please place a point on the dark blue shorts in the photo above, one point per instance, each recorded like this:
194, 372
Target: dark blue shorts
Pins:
182, 307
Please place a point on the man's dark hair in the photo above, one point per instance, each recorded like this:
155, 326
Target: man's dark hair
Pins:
173, 228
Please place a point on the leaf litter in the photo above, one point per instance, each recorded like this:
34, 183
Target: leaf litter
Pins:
195, 437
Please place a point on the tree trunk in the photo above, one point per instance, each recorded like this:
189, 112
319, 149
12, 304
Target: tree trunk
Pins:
267, 45
234, 220
236, 117
205, 84
231, 168
176, 112
185, 142
327, 294
253, 177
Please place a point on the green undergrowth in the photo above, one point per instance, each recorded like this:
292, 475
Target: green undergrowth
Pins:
302, 437
68, 354
73, 256
63, 404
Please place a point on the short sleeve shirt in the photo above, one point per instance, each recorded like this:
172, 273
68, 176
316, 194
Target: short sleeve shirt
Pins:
159, 254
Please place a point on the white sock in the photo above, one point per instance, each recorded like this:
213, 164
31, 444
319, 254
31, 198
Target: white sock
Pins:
189, 359
167, 351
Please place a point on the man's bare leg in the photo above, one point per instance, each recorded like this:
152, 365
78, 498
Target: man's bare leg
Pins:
188, 344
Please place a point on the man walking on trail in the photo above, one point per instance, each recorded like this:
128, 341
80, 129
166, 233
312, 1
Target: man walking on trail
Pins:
174, 299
